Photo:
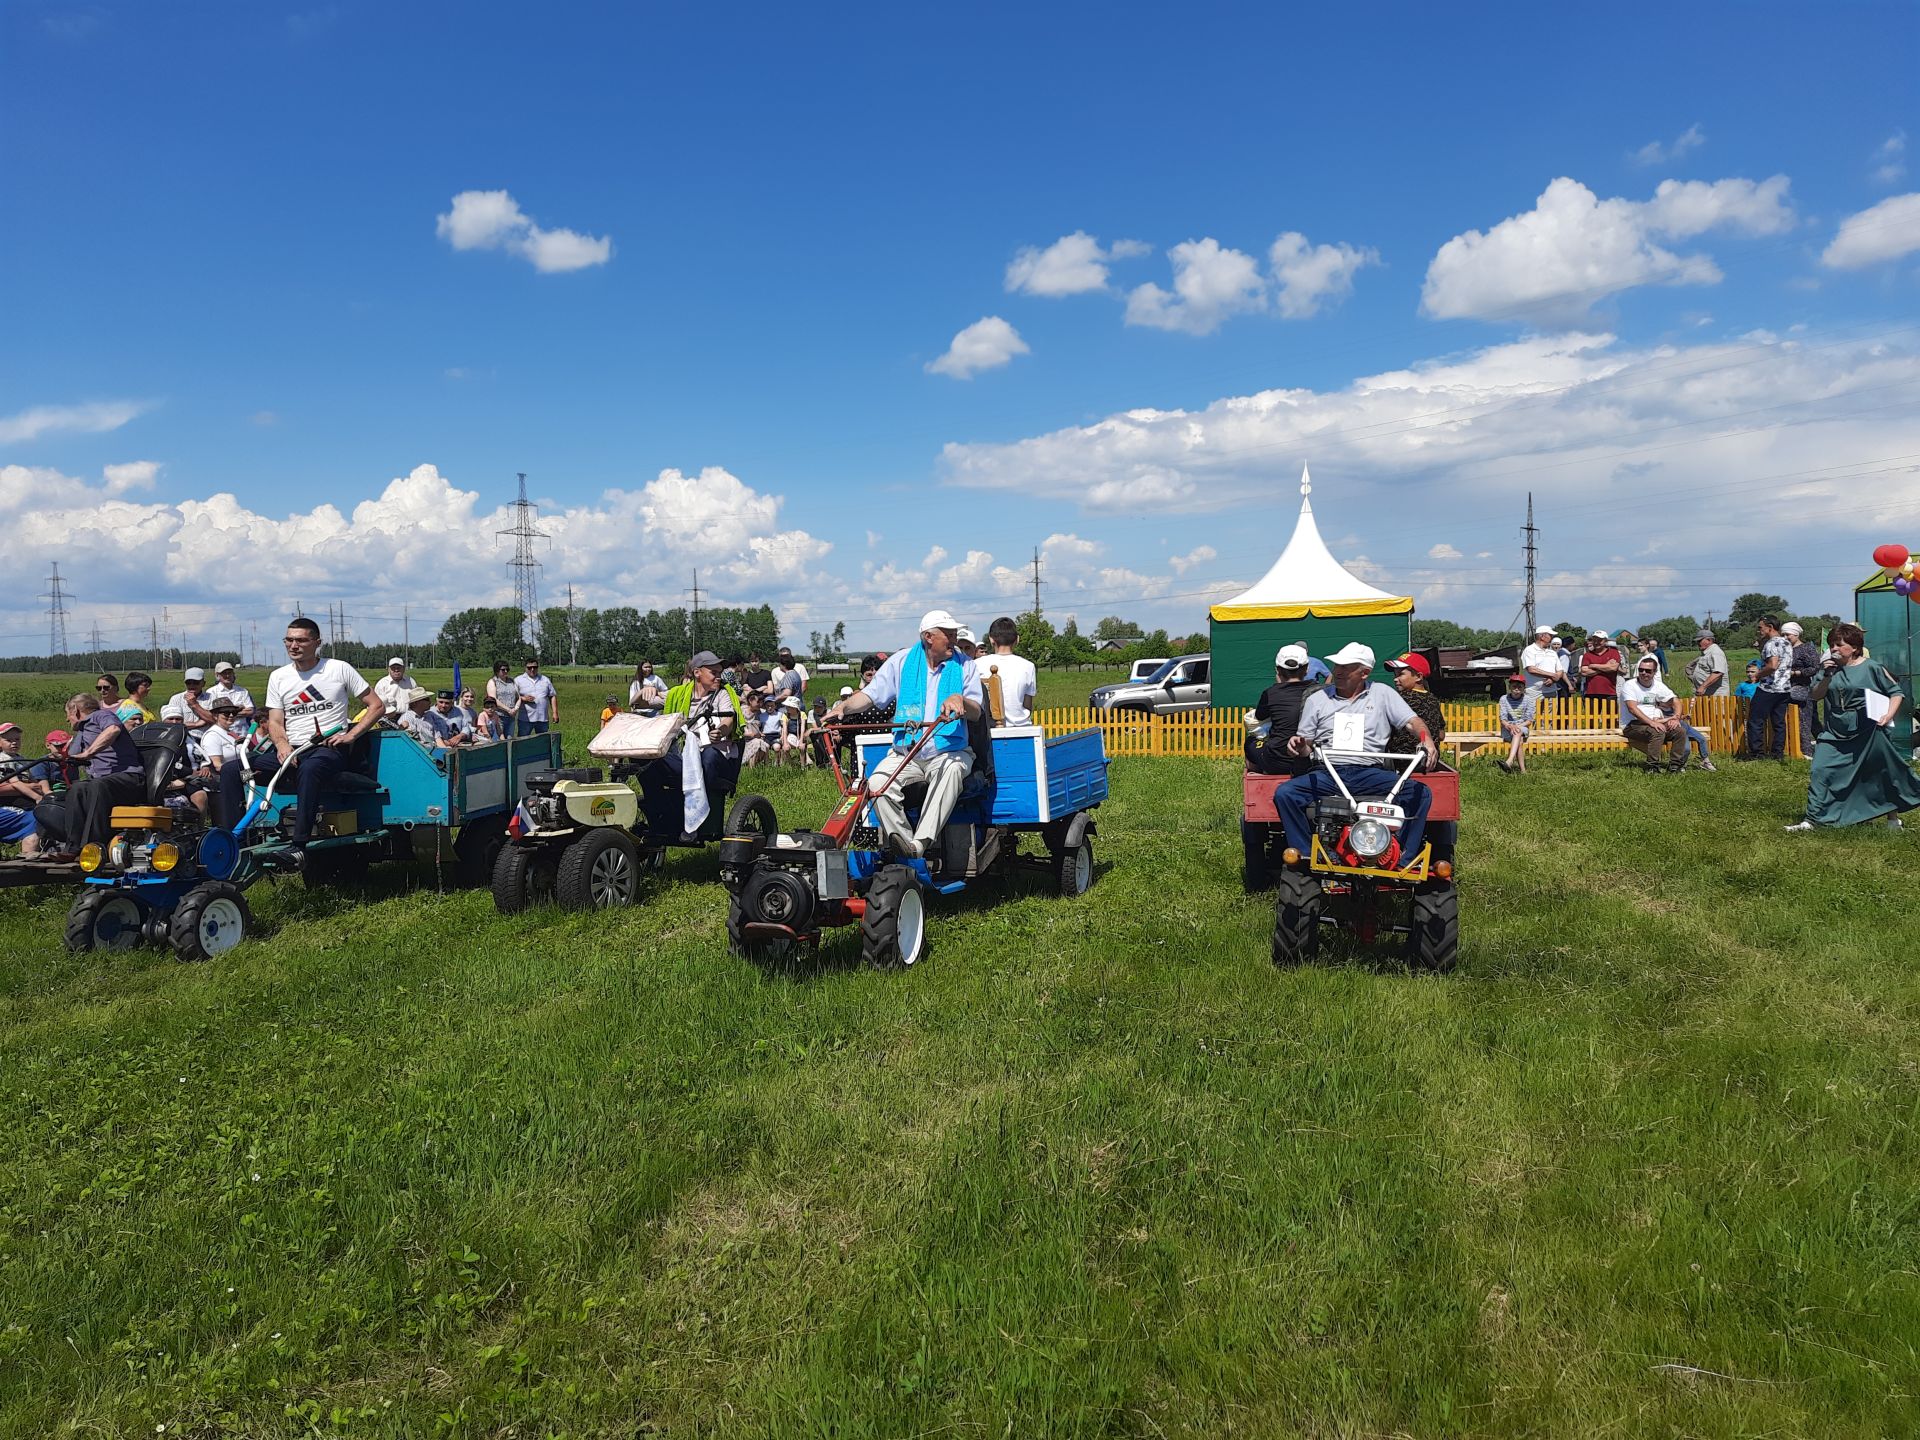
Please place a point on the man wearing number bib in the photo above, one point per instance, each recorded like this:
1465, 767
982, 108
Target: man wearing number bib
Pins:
1356, 714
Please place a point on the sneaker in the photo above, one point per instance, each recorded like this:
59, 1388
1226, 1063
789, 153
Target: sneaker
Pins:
1676, 766
1708, 766
1801, 828
1893, 823
1654, 767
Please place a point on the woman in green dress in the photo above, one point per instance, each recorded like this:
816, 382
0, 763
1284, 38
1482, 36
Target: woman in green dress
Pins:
1859, 773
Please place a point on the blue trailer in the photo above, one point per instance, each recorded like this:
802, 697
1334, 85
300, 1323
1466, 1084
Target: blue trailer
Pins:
787, 889
167, 877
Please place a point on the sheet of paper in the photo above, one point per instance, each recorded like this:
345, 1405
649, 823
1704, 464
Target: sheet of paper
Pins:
1877, 706
1349, 731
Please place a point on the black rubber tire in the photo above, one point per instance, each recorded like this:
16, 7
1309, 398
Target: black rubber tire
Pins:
209, 921
85, 914
762, 952
894, 890
476, 848
1433, 939
1296, 918
1073, 869
336, 867
524, 876
752, 815
600, 869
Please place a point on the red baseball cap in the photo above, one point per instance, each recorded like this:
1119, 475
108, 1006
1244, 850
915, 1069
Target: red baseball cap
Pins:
1410, 661
58, 737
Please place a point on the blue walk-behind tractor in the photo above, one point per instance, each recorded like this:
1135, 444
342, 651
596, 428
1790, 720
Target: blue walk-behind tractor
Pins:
787, 889
167, 876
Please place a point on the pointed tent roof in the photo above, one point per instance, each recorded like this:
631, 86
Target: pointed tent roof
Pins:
1307, 580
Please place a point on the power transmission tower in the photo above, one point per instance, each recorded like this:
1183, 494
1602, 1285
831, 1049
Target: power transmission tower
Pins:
573, 631
1036, 582
1531, 533
56, 598
256, 643
96, 642
526, 569
153, 638
696, 612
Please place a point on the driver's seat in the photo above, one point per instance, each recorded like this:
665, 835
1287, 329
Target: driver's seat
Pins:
163, 751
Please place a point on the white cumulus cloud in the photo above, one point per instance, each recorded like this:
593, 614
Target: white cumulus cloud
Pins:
1658, 152
987, 344
1882, 232
1306, 275
1890, 159
1443, 551
1210, 283
493, 220
1573, 248
1073, 265
93, 418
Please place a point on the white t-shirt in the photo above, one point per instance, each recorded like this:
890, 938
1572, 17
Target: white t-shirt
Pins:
652, 689
217, 744
177, 709
316, 701
1019, 684
540, 689
236, 693
1632, 693
1539, 657
393, 691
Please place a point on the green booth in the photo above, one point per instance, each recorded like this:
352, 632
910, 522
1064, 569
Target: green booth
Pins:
1308, 598
1892, 623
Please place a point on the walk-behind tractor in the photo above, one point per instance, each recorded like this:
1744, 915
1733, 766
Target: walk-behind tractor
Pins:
167, 876
1353, 877
787, 890
582, 840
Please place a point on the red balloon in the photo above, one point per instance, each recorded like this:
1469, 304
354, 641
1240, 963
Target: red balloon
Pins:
1890, 557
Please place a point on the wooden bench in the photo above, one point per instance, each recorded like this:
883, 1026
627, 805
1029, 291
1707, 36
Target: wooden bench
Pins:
1597, 738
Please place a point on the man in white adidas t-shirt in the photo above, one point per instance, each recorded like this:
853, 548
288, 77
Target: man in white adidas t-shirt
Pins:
1019, 681
308, 700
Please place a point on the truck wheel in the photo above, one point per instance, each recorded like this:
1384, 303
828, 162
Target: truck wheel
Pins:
600, 869
752, 815
1074, 868
893, 932
523, 876
211, 920
476, 848
1433, 935
1296, 918
102, 919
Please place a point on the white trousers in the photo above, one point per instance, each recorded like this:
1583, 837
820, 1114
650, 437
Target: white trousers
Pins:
943, 774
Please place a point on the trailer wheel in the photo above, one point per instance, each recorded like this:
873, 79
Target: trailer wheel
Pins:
1433, 934
211, 920
103, 919
523, 876
1074, 868
1296, 918
752, 815
476, 848
600, 869
893, 932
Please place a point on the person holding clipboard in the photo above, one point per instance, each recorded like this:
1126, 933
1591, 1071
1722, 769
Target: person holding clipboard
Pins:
1859, 773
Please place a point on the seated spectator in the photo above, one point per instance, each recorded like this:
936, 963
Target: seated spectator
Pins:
1746, 688
1019, 681
1678, 709
816, 736
789, 727
1519, 711
1410, 674
466, 710
648, 692
224, 685
493, 724
133, 710
755, 722
116, 773
19, 795
189, 707
413, 719
1649, 726
394, 686
789, 677
449, 725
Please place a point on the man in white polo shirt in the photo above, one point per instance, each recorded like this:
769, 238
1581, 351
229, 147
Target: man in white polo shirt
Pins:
224, 688
1542, 663
394, 686
539, 705
189, 706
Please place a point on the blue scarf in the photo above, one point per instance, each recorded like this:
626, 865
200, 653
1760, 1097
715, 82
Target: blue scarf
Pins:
910, 706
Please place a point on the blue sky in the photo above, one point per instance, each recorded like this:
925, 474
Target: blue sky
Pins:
226, 274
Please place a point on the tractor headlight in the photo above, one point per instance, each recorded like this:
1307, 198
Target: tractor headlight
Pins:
165, 856
1369, 839
90, 857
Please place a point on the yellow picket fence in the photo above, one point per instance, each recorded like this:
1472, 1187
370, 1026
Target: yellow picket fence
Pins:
1575, 724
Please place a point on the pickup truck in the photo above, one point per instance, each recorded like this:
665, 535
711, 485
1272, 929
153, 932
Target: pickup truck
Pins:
1180, 684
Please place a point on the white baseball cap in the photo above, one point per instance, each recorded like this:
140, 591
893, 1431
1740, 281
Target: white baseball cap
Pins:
1543, 629
1291, 657
396, 660
1353, 653
193, 672
225, 667
938, 620
1598, 635
967, 635
846, 692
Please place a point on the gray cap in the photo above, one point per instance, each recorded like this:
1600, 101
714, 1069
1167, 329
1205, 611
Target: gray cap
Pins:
1705, 634
193, 672
704, 658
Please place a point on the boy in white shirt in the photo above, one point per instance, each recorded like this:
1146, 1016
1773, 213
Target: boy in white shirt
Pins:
1019, 681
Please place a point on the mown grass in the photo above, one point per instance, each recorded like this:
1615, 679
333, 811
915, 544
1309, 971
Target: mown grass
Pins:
1645, 1165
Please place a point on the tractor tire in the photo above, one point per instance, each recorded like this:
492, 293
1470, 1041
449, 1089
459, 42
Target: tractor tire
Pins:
524, 876
752, 815
209, 921
1296, 918
476, 848
336, 867
1433, 935
1073, 869
599, 870
893, 932
779, 952
103, 919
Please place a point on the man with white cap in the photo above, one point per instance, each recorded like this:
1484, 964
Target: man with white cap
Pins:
225, 688
1541, 662
928, 684
1600, 667
1271, 724
189, 706
1356, 714
394, 687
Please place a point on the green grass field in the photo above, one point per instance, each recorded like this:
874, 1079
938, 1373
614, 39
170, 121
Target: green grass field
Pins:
1646, 1165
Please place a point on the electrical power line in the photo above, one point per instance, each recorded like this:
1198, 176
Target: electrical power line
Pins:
525, 569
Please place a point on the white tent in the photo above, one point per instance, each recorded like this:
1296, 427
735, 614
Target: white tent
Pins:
1307, 579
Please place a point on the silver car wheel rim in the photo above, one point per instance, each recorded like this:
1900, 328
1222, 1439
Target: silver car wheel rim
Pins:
612, 877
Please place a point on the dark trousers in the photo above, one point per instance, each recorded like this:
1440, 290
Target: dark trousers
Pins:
311, 775
1767, 705
1292, 799
98, 796
532, 727
57, 819
661, 793
230, 785
1803, 703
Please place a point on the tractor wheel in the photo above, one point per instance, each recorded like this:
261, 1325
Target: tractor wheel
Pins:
1433, 936
211, 920
1074, 868
763, 952
752, 815
476, 848
893, 932
1296, 918
523, 876
336, 866
103, 919
600, 869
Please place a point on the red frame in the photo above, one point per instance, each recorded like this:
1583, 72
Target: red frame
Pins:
1444, 783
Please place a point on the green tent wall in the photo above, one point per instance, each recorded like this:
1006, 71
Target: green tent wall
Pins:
1243, 650
1892, 623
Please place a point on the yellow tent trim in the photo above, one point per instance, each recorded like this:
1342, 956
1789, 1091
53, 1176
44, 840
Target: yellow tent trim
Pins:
1392, 605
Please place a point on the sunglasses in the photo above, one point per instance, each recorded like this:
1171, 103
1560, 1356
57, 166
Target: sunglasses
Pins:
103, 687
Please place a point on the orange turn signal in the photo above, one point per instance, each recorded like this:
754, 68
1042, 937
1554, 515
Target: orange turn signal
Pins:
1290, 856
1443, 869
